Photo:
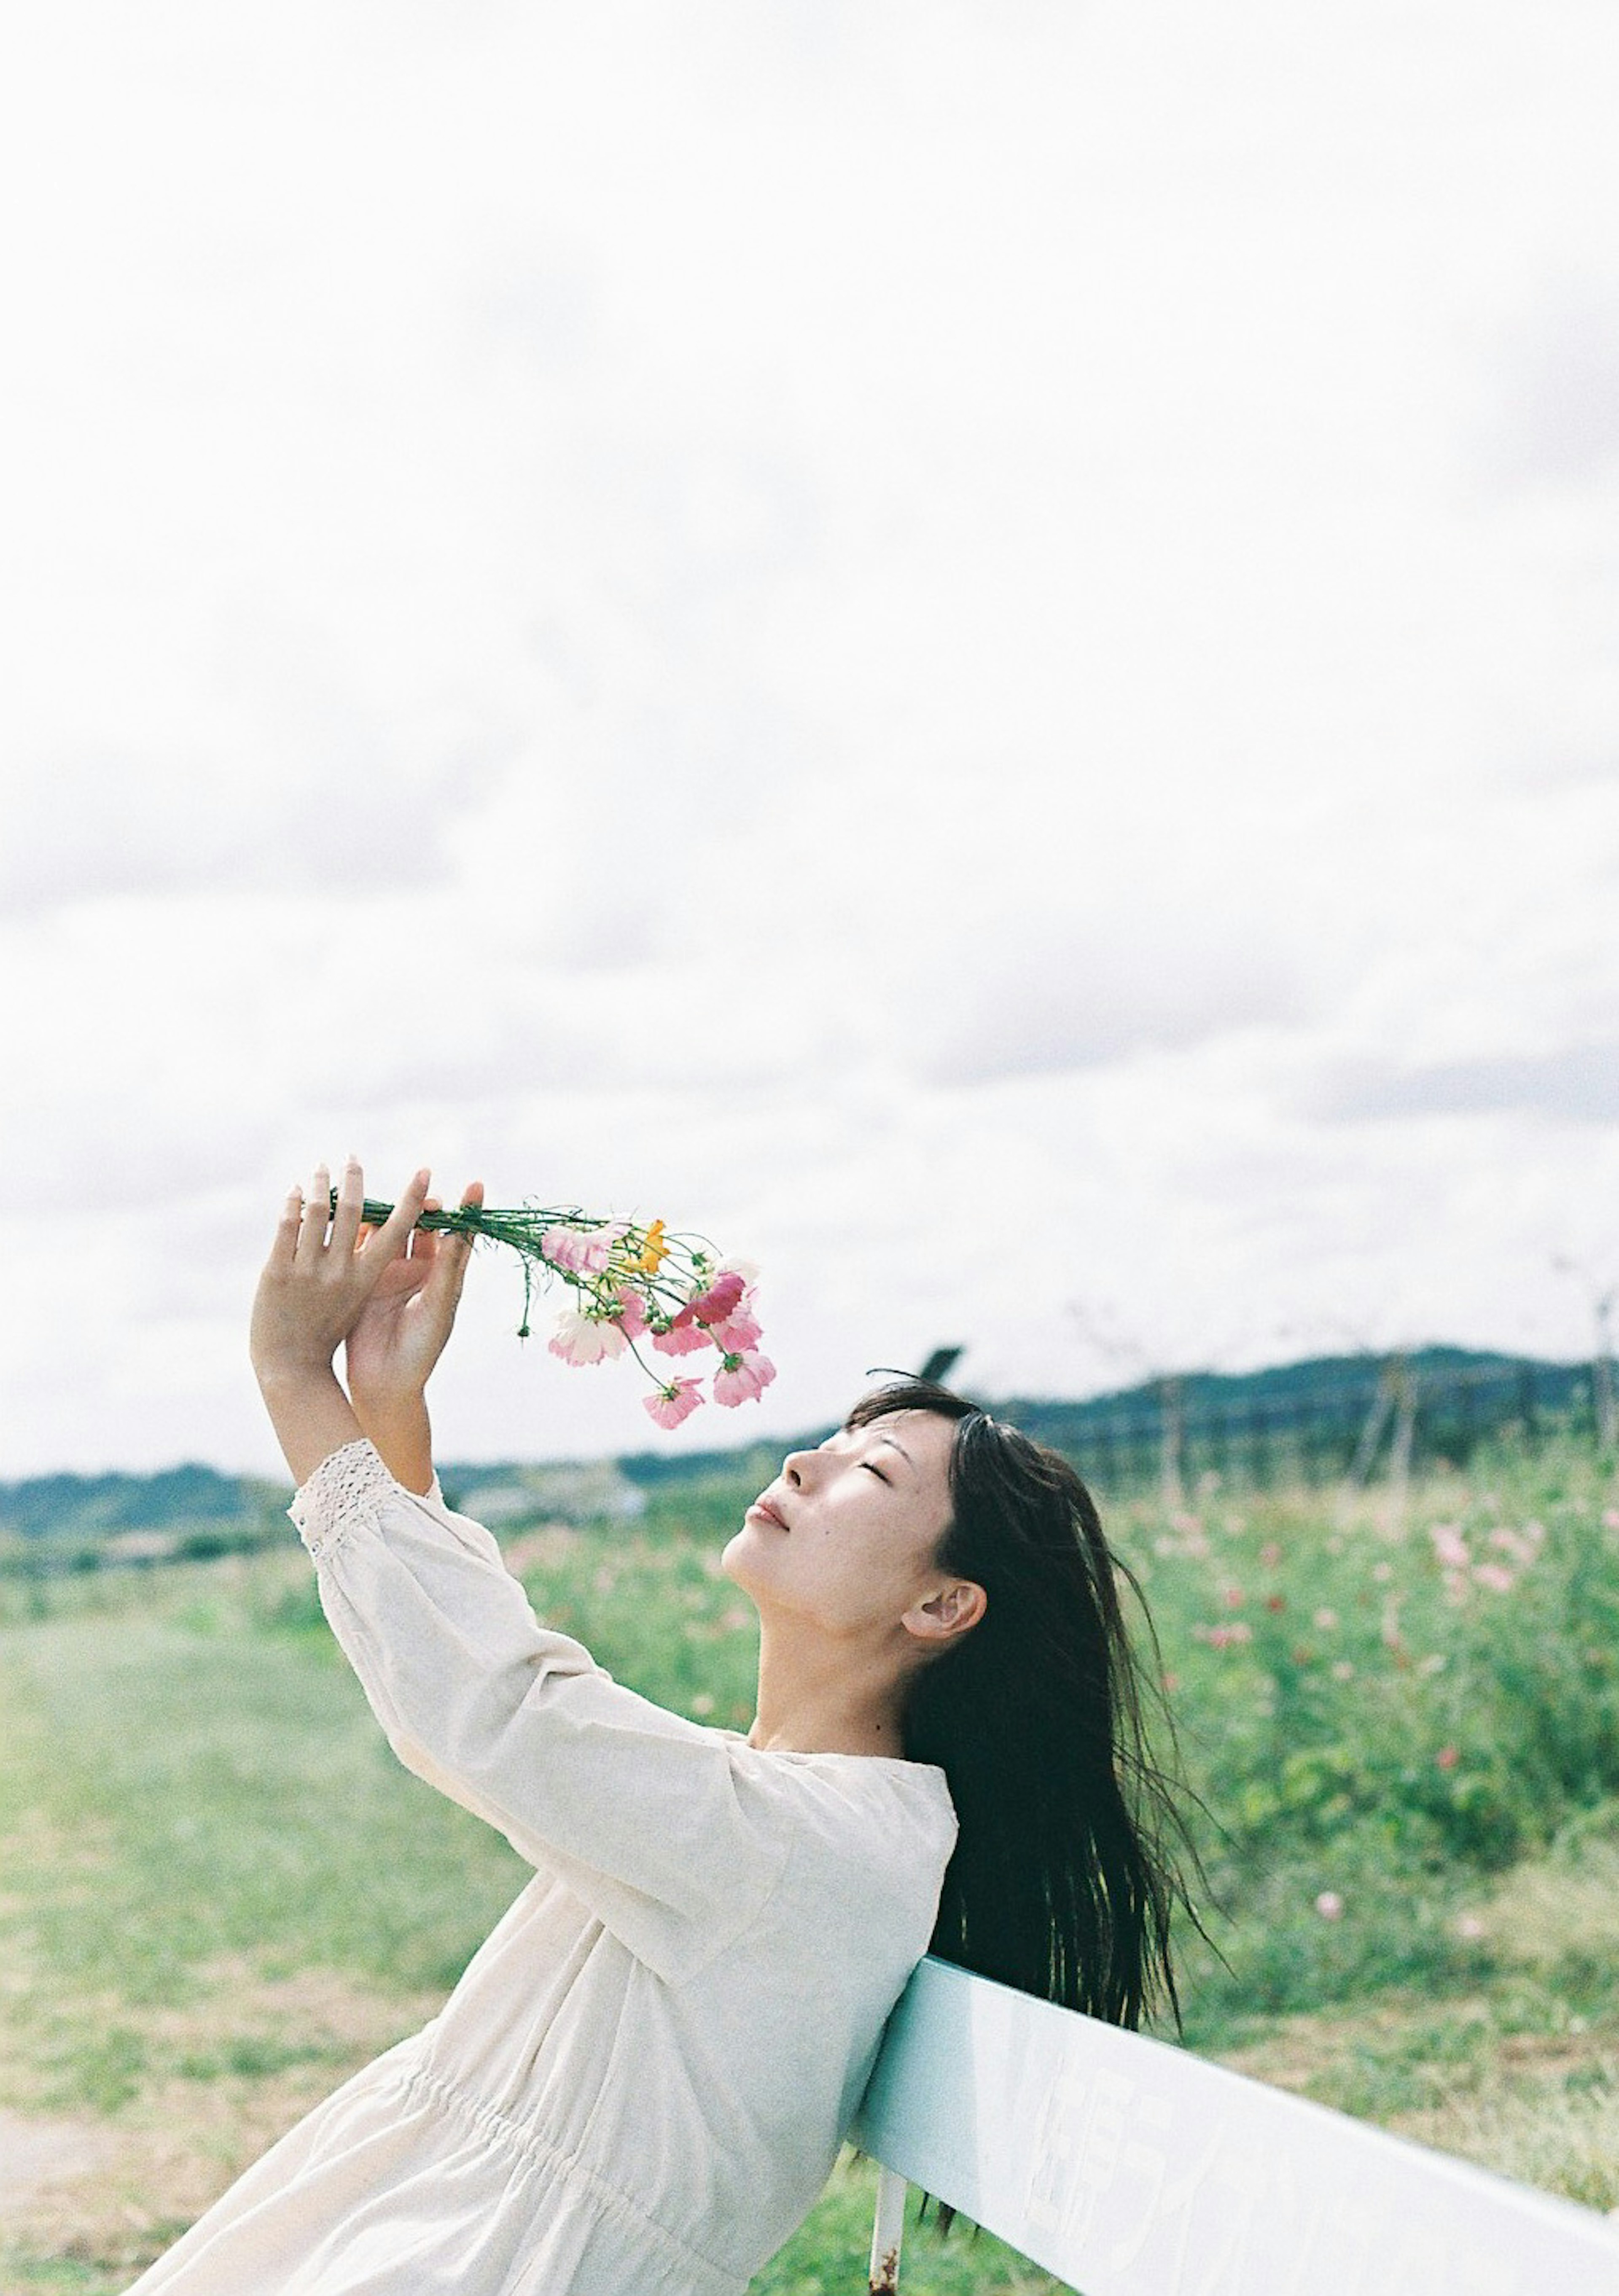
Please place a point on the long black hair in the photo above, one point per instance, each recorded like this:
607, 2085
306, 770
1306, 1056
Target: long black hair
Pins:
1064, 1872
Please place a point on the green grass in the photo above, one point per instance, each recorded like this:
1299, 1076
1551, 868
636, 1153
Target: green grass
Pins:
221, 1891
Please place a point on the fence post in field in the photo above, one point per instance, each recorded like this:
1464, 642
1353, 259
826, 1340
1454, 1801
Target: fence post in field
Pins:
1527, 1400
1603, 1407
1171, 1439
1386, 1399
1470, 1418
1404, 1435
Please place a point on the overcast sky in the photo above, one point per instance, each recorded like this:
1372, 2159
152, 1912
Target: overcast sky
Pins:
971, 646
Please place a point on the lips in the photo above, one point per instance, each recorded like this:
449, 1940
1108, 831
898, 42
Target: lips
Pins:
771, 1513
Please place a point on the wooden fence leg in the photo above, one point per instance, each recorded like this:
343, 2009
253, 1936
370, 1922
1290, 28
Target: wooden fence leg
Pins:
887, 2232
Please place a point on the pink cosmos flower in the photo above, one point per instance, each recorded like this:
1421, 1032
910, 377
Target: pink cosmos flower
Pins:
586, 1339
742, 1378
631, 1316
1330, 1906
737, 1333
580, 1254
1496, 1576
684, 1336
1448, 1757
676, 1401
723, 1295
1450, 1547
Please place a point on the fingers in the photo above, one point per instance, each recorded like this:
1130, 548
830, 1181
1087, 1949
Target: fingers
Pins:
316, 1211
424, 1241
471, 1196
457, 1249
346, 1218
391, 1239
285, 1242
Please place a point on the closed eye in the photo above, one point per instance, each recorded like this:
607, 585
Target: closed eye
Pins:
871, 1470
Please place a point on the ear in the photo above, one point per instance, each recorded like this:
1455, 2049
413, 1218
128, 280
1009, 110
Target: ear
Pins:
944, 1616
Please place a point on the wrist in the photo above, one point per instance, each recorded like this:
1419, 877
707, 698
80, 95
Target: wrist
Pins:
399, 1427
394, 1406
309, 1411
285, 1374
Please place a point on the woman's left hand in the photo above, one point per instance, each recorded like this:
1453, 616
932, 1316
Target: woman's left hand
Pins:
406, 1323
320, 1273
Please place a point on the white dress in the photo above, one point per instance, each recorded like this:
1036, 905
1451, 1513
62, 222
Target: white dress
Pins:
640, 2083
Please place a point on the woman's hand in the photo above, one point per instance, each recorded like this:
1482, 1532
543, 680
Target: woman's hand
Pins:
314, 1287
313, 1290
402, 1329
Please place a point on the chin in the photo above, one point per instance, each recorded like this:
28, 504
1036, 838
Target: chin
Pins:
737, 1557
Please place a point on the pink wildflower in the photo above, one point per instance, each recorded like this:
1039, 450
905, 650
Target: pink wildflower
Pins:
1233, 1597
1496, 1576
684, 1336
586, 1339
1330, 1906
1610, 1518
1447, 1757
723, 1295
631, 1316
676, 1401
1450, 1547
742, 1378
1270, 1555
1223, 1637
737, 1333
580, 1254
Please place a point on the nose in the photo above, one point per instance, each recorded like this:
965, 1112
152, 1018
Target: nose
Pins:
793, 1465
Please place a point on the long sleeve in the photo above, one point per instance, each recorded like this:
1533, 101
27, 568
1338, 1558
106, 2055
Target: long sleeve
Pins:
648, 1818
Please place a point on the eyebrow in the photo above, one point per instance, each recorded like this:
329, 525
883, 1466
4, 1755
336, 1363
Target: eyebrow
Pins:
900, 1449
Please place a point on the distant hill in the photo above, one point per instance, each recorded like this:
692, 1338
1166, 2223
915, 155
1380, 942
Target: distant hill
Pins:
1312, 1416
77, 1521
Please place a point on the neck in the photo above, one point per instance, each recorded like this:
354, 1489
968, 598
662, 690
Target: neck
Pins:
816, 1700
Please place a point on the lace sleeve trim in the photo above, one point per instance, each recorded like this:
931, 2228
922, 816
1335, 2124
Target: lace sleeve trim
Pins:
346, 1483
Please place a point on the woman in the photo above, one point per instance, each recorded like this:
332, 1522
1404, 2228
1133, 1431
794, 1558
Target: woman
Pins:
640, 2083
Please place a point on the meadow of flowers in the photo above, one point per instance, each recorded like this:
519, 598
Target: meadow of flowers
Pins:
1401, 1716
1382, 1701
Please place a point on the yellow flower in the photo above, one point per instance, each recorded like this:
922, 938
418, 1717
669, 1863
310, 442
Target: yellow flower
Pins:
652, 1254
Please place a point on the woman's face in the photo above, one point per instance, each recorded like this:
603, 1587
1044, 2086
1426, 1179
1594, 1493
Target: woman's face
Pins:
844, 1538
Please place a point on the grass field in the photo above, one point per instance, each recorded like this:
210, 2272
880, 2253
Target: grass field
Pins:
218, 1893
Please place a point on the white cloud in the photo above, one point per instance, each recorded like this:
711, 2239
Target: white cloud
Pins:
911, 635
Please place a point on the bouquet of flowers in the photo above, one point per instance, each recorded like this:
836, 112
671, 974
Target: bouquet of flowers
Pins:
631, 1286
